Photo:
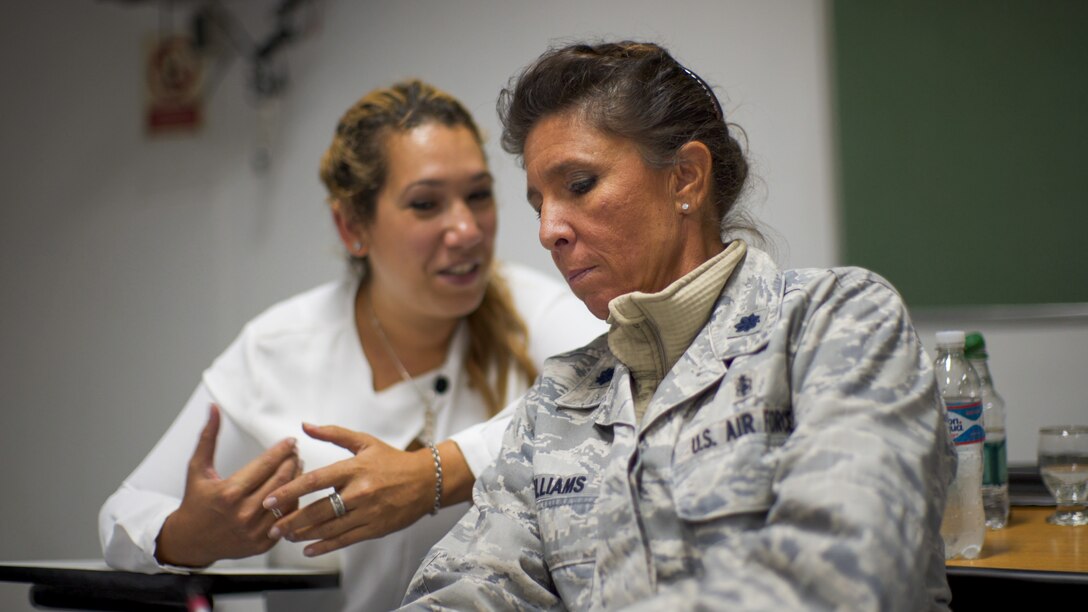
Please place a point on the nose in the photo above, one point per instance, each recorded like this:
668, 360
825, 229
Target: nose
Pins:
462, 228
554, 232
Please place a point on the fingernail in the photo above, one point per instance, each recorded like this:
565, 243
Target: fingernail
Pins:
274, 533
269, 503
308, 551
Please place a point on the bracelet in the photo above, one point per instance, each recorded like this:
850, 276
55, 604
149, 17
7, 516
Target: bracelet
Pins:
437, 479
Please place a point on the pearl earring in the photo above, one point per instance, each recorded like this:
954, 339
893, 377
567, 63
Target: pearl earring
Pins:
685, 206
356, 246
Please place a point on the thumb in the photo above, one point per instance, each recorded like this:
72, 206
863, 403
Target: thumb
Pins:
353, 441
203, 459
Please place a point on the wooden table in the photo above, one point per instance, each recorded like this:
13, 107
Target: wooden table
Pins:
1028, 542
1028, 557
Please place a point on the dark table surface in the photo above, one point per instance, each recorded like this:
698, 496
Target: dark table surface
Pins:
92, 585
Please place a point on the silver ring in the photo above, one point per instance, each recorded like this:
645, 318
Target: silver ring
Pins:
277, 513
337, 504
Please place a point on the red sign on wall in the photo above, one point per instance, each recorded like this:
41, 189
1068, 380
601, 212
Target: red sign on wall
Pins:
175, 78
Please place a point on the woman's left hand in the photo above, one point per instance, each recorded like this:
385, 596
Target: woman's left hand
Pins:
383, 489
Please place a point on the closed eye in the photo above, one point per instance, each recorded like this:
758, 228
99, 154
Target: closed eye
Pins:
480, 195
534, 199
423, 205
583, 186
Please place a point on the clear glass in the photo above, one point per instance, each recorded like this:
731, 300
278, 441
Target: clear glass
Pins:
1063, 464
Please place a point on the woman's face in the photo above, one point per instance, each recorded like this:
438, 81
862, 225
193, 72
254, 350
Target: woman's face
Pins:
609, 219
430, 242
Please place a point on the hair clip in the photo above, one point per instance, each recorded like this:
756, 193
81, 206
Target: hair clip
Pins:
709, 94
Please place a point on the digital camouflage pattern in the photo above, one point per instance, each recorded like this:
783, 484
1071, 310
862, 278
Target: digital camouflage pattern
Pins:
795, 457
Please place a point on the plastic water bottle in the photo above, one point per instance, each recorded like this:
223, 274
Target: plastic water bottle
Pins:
995, 471
964, 524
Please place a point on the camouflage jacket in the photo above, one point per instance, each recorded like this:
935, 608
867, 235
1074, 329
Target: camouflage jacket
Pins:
795, 457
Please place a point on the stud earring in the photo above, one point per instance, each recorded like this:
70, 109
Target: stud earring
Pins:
685, 206
356, 246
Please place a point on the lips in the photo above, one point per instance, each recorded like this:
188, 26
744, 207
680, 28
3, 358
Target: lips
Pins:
464, 273
460, 269
576, 275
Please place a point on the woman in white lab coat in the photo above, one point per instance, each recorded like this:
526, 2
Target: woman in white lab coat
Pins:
424, 343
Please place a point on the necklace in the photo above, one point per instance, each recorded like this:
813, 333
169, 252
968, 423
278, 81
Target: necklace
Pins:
427, 436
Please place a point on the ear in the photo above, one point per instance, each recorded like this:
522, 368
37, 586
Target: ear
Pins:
352, 233
691, 176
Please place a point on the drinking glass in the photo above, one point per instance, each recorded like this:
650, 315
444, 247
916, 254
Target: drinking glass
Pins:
1063, 464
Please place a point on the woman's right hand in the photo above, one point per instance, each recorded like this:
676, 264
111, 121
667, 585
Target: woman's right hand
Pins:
223, 518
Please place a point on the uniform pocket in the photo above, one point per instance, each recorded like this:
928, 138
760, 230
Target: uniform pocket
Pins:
568, 529
723, 478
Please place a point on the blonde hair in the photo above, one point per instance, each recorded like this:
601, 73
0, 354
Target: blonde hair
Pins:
353, 170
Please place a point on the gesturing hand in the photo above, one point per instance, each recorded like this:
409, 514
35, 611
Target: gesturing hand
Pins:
383, 489
223, 518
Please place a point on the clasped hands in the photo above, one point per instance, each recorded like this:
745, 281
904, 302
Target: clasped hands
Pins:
383, 489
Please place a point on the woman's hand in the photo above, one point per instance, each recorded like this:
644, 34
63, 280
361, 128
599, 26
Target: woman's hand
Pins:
384, 489
223, 518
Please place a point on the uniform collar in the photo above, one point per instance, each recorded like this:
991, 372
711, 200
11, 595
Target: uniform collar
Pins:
747, 309
650, 331
740, 323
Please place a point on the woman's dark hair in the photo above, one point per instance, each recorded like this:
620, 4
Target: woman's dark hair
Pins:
636, 91
353, 170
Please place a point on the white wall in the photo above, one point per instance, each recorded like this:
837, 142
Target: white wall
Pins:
129, 263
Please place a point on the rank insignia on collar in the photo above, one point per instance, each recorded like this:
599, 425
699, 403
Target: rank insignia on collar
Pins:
747, 323
605, 376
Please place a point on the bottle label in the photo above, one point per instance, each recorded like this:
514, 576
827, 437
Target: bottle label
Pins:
995, 471
965, 422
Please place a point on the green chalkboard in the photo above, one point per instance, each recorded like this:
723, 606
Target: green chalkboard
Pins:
963, 147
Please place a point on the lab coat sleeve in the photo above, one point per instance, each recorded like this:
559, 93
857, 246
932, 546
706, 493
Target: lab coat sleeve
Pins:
131, 518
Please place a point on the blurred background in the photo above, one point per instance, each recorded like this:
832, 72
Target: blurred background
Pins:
153, 198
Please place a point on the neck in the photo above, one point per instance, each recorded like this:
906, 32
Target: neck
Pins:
419, 343
696, 251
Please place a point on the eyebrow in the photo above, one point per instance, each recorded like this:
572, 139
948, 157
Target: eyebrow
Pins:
559, 169
476, 178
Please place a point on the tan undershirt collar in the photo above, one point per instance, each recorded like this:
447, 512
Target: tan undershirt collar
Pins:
650, 331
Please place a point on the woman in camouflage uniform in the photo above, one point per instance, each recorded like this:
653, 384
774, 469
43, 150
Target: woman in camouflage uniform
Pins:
744, 436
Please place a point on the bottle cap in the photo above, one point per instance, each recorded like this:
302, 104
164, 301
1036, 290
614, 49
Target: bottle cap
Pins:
950, 338
975, 346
